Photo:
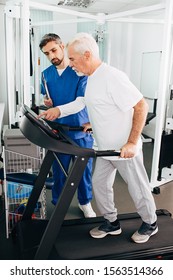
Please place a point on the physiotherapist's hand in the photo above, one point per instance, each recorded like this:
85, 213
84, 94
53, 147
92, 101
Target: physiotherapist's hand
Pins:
48, 102
50, 114
128, 150
87, 127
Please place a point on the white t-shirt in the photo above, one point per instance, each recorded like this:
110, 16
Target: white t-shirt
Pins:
110, 98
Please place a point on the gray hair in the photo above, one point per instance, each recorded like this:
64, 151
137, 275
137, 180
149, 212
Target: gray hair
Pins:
83, 42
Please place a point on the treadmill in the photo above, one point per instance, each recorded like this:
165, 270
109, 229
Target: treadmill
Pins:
60, 239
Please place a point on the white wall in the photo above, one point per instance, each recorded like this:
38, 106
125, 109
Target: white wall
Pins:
115, 31
146, 38
128, 42
64, 30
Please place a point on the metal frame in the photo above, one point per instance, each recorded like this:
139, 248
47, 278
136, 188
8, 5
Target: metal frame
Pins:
163, 91
54, 224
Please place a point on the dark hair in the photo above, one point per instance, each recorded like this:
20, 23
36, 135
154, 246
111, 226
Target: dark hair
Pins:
49, 38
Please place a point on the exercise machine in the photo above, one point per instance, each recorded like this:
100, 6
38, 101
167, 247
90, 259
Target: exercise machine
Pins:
57, 238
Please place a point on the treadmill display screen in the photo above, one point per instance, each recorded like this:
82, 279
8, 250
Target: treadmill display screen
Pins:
39, 122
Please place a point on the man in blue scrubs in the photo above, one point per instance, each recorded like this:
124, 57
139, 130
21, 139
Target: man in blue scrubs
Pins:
64, 86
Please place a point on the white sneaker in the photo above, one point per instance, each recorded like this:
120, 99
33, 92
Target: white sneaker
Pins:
87, 210
145, 232
105, 229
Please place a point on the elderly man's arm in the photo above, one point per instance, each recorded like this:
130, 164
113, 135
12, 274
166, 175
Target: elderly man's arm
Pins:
139, 118
64, 110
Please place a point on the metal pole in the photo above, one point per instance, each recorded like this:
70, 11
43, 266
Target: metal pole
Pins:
25, 57
12, 13
136, 11
163, 89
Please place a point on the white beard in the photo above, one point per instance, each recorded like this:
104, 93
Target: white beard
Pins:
80, 74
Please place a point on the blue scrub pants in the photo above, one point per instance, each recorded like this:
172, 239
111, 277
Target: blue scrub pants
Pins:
84, 192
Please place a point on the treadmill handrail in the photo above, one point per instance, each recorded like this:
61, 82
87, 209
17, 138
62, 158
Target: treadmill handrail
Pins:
65, 127
107, 153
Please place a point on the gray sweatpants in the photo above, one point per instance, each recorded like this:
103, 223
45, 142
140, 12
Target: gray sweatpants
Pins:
134, 174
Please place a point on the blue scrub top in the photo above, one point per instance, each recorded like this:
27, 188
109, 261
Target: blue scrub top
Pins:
63, 89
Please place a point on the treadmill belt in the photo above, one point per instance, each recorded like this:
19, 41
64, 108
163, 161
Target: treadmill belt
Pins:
78, 244
74, 241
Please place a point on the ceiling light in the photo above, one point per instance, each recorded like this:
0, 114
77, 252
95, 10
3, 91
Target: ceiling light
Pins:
75, 3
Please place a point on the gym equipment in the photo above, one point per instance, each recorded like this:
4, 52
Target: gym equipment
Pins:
152, 115
70, 239
166, 152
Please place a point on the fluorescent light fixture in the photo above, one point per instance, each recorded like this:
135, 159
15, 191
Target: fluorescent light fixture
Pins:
75, 3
